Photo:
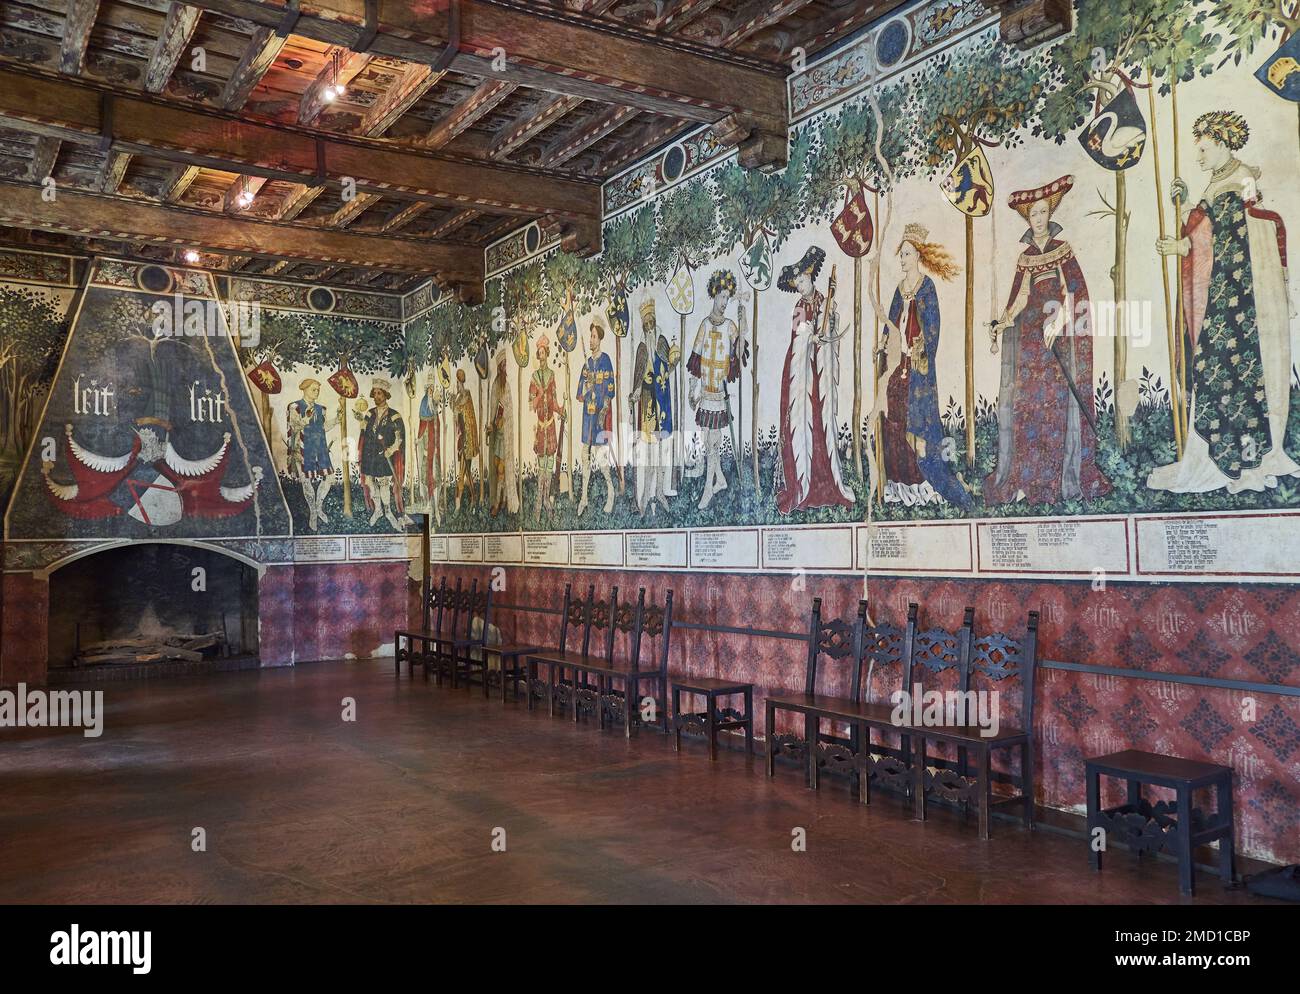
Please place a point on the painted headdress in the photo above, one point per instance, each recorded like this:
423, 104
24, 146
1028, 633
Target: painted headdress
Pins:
1022, 200
722, 279
1227, 128
810, 265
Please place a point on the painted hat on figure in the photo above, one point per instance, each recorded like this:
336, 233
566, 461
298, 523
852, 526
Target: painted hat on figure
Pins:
1022, 200
381, 384
648, 308
810, 264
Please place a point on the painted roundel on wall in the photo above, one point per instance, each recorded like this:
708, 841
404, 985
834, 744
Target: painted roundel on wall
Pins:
532, 238
674, 164
892, 42
155, 279
320, 299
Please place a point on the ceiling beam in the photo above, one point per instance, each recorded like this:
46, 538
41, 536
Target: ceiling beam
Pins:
180, 181
44, 159
680, 13
74, 112
483, 100
400, 97
178, 29
258, 57
573, 54
96, 215
405, 216
519, 133
604, 124
756, 15
454, 223
314, 99
114, 168
77, 25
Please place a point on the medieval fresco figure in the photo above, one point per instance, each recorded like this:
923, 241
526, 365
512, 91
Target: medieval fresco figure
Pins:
809, 472
429, 445
309, 450
381, 457
651, 405
915, 469
1047, 439
714, 362
462, 405
596, 391
502, 490
543, 400
1238, 309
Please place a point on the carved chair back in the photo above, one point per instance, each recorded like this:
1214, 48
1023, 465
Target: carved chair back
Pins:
838, 641
996, 658
434, 606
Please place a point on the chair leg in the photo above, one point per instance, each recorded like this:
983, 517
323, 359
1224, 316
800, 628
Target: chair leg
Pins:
630, 702
677, 729
864, 766
918, 779
749, 721
1186, 881
711, 704
1027, 780
550, 690
983, 787
1093, 787
810, 725
769, 713
1227, 848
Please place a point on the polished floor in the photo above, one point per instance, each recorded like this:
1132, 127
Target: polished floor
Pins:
404, 805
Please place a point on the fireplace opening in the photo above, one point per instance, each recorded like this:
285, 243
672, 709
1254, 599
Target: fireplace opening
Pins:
176, 608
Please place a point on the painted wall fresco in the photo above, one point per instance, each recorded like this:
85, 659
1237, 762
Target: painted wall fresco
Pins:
993, 284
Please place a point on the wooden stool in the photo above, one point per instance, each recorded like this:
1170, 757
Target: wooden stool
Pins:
713, 719
1145, 827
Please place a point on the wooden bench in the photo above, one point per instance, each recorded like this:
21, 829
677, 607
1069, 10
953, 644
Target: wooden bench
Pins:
618, 682
474, 651
575, 613
714, 718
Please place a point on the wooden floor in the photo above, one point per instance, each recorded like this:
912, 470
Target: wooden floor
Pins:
400, 806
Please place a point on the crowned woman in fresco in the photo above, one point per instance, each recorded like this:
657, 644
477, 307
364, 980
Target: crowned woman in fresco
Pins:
1047, 436
1238, 313
912, 433
809, 471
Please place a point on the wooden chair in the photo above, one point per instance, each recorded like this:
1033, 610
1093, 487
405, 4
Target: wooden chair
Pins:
414, 646
619, 681
987, 660
440, 658
839, 642
575, 614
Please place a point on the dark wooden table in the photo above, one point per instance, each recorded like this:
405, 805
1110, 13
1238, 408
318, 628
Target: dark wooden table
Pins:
713, 719
1178, 827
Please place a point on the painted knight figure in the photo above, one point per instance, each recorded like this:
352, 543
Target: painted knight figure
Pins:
919, 462
715, 362
809, 474
1238, 310
1047, 425
596, 392
462, 402
544, 401
651, 405
503, 492
309, 451
381, 455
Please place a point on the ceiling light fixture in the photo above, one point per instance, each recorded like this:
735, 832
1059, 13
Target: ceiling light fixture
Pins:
191, 255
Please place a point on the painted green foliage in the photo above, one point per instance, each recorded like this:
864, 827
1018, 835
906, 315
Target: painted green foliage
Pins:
31, 339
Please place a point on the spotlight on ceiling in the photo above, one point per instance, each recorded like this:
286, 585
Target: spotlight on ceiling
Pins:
191, 255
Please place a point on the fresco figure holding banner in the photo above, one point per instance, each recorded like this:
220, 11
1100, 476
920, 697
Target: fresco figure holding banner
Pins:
809, 471
916, 471
1047, 423
1237, 324
596, 391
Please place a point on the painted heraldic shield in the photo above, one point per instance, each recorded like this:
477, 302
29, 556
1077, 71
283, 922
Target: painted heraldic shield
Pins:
1116, 137
681, 289
969, 187
1281, 71
853, 229
756, 262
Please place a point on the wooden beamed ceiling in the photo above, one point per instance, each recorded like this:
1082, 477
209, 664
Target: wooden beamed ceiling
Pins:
376, 152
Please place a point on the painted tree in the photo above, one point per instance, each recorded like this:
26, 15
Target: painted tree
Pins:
1251, 24
845, 162
569, 284
522, 293
31, 338
349, 347
687, 239
282, 343
408, 349
978, 95
758, 212
625, 265
1112, 46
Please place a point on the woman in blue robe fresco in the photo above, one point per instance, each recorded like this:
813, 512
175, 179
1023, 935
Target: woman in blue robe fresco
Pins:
915, 468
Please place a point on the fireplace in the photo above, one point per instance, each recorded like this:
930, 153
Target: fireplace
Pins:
152, 607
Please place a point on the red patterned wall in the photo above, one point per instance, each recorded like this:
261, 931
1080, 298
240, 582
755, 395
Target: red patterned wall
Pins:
1235, 632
